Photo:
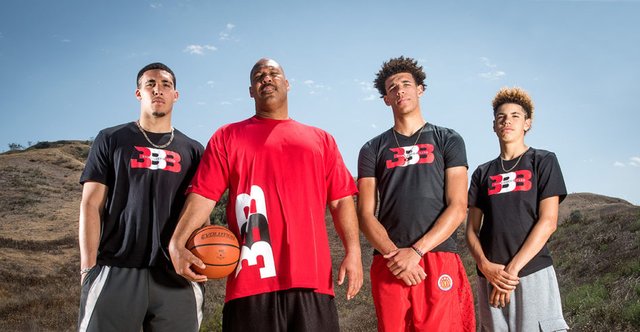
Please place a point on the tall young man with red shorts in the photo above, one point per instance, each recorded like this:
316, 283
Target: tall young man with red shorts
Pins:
281, 176
419, 171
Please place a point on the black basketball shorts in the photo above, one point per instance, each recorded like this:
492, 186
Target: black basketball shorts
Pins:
289, 310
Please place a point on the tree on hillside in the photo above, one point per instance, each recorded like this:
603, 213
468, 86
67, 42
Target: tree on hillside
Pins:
219, 214
15, 147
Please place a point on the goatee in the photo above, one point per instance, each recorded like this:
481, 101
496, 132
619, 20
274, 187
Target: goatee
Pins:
158, 114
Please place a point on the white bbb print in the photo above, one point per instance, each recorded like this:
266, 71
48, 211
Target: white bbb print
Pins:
247, 221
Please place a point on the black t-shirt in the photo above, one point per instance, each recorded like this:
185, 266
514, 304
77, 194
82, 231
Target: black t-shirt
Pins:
410, 180
146, 192
510, 202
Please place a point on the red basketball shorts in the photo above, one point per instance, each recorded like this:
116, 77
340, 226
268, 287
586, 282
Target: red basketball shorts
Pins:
442, 302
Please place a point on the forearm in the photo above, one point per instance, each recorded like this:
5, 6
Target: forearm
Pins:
539, 235
472, 235
88, 235
370, 226
345, 220
536, 240
444, 226
473, 242
456, 199
89, 225
376, 234
194, 215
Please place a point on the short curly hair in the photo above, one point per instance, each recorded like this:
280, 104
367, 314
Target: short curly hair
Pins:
514, 95
399, 65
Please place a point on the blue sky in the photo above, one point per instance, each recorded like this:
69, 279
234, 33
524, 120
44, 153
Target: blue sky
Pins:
69, 69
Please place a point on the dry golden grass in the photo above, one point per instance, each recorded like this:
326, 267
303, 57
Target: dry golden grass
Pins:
596, 250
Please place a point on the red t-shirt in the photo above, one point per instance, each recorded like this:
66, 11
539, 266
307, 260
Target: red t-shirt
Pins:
280, 175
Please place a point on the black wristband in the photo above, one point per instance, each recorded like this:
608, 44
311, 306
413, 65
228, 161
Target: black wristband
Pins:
420, 253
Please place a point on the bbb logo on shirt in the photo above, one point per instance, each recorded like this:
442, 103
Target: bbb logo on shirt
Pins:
508, 182
411, 155
157, 159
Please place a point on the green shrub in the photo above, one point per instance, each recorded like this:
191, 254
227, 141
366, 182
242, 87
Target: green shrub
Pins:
219, 214
585, 297
213, 321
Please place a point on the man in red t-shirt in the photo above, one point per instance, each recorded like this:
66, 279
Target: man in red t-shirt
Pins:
281, 175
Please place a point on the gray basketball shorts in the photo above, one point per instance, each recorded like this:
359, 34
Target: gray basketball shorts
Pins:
535, 305
131, 299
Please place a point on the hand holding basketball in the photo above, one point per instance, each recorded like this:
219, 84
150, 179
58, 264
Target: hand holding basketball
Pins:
183, 261
218, 248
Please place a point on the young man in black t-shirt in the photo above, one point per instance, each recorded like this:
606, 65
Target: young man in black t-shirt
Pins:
419, 171
134, 185
513, 210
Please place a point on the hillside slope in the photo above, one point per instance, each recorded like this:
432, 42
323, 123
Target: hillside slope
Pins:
595, 249
39, 204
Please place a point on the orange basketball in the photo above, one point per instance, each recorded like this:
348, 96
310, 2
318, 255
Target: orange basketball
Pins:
218, 249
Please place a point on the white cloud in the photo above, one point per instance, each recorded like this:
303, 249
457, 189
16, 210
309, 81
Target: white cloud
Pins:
633, 162
493, 73
366, 86
373, 125
201, 103
56, 37
368, 89
314, 87
225, 103
487, 62
155, 5
199, 49
226, 34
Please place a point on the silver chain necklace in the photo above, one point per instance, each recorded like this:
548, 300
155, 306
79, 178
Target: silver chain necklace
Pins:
148, 140
414, 143
514, 166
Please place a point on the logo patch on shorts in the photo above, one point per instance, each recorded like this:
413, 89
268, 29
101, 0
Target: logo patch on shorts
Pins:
445, 282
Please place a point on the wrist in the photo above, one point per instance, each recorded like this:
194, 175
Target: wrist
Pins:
417, 251
357, 253
512, 270
483, 266
85, 270
388, 250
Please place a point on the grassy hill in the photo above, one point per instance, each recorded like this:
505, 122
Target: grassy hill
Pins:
596, 251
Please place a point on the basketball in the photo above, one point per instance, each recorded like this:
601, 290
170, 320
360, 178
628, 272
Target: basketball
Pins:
218, 249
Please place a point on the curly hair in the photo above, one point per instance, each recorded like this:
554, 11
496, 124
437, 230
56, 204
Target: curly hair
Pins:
399, 65
514, 95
